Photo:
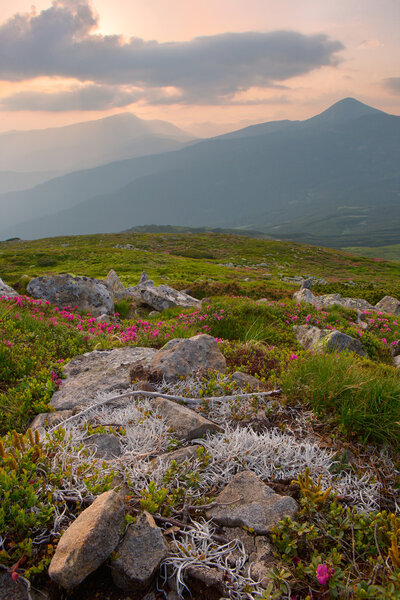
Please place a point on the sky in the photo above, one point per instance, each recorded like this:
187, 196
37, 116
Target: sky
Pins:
208, 66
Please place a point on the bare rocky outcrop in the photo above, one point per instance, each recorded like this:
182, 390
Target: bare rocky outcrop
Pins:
99, 372
329, 300
86, 293
388, 304
115, 285
247, 502
182, 357
160, 297
88, 541
139, 555
185, 424
325, 340
6, 290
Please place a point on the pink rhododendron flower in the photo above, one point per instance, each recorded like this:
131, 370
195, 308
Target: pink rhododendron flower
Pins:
324, 574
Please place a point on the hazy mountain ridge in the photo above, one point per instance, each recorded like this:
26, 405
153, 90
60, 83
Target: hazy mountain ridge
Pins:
292, 179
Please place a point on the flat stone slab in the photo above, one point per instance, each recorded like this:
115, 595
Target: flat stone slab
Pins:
88, 541
99, 372
247, 502
184, 423
139, 554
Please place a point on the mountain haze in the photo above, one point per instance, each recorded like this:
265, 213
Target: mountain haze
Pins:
333, 179
87, 144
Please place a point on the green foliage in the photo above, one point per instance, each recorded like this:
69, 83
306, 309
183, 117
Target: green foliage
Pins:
355, 549
361, 397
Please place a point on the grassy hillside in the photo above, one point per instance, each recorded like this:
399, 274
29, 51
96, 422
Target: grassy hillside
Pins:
346, 406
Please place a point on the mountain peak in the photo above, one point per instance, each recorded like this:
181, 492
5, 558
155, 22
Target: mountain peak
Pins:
346, 109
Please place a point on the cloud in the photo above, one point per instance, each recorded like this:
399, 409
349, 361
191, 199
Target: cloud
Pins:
392, 84
368, 44
88, 97
62, 41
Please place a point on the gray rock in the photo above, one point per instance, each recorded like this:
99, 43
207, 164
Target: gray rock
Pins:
389, 305
304, 295
114, 282
99, 372
307, 284
181, 357
44, 420
107, 445
161, 297
88, 294
179, 456
247, 502
184, 423
396, 361
88, 541
6, 290
244, 380
10, 590
261, 560
326, 340
139, 554
203, 579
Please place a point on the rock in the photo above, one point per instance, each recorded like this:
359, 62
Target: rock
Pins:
203, 579
261, 560
10, 590
307, 284
145, 279
161, 297
87, 294
396, 361
6, 290
304, 295
88, 541
256, 507
389, 305
184, 423
98, 372
326, 340
107, 445
179, 456
43, 420
246, 380
181, 357
329, 300
139, 554
113, 282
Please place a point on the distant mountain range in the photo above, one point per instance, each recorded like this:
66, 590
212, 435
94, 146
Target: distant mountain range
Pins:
85, 145
333, 179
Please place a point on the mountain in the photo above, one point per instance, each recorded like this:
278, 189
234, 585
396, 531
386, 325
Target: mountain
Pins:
334, 178
87, 144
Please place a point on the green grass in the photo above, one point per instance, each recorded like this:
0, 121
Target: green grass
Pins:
363, 399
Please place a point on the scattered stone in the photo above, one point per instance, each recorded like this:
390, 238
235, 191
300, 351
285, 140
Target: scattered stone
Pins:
329, 300
139, 554
326, 340
246, 380
307, 284
87, 294
179, 456
99, 372
43, 420
396, 361
107, 445
181, 357
114, 284
261, 560
88, 541
6, 290
153, 313
10, 590
184, 423
103, 318
161, 297
389, 305
202, 579
247, 502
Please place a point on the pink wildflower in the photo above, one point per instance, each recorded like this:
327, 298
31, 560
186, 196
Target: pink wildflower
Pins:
324, 574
